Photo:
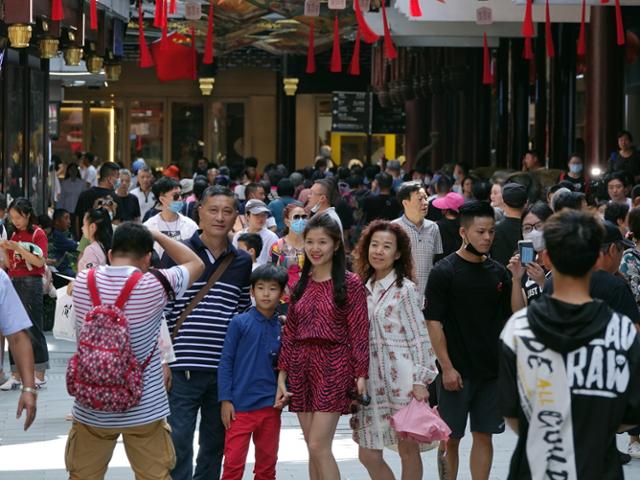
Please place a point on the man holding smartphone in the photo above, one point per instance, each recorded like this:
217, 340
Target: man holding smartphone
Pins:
468, 301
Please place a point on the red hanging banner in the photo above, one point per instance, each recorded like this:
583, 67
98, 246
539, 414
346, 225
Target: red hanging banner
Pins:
208, 46
527, 54
311, 50
354, 67
93, 15
172, 7
336, 57
368, 35
160, 18
57, 11
619, 27
582, 48
389, 48
487, 77
146, 60
414, 8
551, 51
527, 23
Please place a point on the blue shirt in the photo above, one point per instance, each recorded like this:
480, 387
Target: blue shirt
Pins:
247, 374
62, 245
13, 316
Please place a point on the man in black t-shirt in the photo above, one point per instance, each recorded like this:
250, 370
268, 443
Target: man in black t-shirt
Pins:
570, 366
468, 300
109, 173
509, 229
384, 205
128, 205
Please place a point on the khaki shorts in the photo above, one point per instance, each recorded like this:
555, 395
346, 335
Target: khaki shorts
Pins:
149, 450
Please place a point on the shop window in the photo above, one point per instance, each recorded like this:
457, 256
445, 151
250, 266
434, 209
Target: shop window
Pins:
105, 123
146, 132
228, 132
187, 128
35, 171
70, 139
15, 110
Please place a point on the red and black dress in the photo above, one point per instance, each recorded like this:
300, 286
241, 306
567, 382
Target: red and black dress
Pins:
325, 347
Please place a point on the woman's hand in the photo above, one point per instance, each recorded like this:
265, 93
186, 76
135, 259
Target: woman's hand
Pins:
515, 267
361, 386
420, 392
282, 396
536, 273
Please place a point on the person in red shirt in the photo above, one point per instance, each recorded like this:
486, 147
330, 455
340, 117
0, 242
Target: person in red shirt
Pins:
26, 254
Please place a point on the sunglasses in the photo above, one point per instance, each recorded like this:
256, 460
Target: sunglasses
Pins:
177, 196
300, 217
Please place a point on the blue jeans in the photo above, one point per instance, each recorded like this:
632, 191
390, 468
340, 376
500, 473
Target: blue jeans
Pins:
192, 392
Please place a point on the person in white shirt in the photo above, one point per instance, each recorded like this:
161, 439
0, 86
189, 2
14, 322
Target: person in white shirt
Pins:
87, 171
143, 192
257, 212
170, 221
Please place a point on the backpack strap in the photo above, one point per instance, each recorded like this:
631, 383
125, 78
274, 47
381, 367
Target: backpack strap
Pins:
126, 290
93, 288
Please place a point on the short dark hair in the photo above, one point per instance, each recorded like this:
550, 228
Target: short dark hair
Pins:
384, 180
573, 240
622, 176
406, 189
443, 184
270, 273
215, 191
286, 188
200, 184
107, 169
164, 185
482, 190
622, 133
44, 221
539, 209
320, 163
475, 209
570, 200
58, 213
251, 162
131, 240
331, 187
634, 222
3, 201
615, 211
252, 240
251, 189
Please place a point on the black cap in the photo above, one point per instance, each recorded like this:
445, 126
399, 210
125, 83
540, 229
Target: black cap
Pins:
514, 195
612, 234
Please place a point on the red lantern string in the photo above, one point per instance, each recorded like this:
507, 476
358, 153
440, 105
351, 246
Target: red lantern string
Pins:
581, 37
414, 8
487, 77
368, 35
390, 51
311, 51
160, 19
172, 7
146, 60
527, 23
551, 51
93, 15
194, 54
57, 12
336, 57
208, 47
354, 68
619, 26
527, 54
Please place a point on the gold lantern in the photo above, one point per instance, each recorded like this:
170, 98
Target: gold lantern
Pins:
290, 86
72, 56
113, 71
94, 64
19, 35
48, 47
206, 85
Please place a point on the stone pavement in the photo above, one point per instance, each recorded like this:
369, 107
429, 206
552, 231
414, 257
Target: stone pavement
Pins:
39, 453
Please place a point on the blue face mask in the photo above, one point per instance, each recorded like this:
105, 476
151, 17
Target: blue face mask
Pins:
116, 186
176, 206
575, 168
297, 226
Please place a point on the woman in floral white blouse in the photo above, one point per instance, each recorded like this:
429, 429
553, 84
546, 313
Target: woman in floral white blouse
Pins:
402, 362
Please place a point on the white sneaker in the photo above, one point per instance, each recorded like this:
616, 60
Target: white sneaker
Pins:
634, 450
11, 384
41, 383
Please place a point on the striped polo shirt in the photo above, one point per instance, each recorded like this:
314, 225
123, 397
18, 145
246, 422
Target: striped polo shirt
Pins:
198, 345
144, 313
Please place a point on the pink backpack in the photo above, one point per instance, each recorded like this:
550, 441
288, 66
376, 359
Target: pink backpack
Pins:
104, 373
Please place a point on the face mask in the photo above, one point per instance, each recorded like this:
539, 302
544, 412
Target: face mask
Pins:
297, 226
116, 185
575, 168
456, 177
176, 206
315, 208
537, 238
472, 250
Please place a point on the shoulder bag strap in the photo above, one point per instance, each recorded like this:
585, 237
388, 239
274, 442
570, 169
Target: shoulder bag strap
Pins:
126, 290
215, 276
168, 289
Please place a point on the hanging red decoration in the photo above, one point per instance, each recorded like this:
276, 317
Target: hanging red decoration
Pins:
581, 37
354, 67
527, 53
368, 35
93, 15
57, 12
414, 8
390, 51
619, 27
487, 77
336, 57
311, 50
172, 7
208, 46
527, 23
146, 60
551, 51
160, 18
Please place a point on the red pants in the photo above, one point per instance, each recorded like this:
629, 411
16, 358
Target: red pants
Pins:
264, 425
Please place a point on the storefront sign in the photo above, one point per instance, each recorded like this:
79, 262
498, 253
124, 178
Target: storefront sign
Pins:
337, 4
350, 112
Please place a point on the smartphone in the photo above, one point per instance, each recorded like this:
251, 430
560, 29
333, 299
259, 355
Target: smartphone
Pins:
526, 251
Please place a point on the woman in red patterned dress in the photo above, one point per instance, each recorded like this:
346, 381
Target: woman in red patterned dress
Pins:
325, 344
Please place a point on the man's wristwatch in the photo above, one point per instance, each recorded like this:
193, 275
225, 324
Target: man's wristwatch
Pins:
29, 390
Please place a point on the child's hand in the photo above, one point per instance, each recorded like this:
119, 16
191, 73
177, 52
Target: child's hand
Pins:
282, 397
228, 413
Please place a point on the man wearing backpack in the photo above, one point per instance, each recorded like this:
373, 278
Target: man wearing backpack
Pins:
102, 415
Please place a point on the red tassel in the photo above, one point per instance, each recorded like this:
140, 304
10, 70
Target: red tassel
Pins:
390, 51
146, 60
194, 55
208, 46
414, 8
57, 12
160, 18
93, 15
368, 35
604, 1
619, 26
336, 58
354, 68
487, 77
527, 24
311, 50
582, 49
551, 51
527, 54
172, 7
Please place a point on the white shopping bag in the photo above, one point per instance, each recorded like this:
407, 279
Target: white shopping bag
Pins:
64, 327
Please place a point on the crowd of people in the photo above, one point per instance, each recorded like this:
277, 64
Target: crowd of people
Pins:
348, 290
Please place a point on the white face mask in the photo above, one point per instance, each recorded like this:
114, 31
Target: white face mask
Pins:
536, 237
315, 208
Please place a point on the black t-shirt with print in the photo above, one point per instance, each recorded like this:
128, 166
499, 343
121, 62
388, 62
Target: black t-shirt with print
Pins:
128, 208
532, 290
473, 302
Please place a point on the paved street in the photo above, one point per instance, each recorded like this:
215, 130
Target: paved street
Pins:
38, 454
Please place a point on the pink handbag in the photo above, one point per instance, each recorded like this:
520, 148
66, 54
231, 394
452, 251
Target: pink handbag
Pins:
418, 422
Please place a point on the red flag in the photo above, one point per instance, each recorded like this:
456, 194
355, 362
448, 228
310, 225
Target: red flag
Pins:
487, 77
208, 46
389, 48
619, 27
160, 18
311, 51
172, 7
93, 15
414, 8
551, 52
57, 12
146, 60
368, 35
581, 37
527, 54
336, 58
354, 68
527, 24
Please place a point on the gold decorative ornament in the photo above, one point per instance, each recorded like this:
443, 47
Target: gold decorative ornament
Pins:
72, 56
206, 85
48, 47
19, 35
113, 71
94, 64
290, 86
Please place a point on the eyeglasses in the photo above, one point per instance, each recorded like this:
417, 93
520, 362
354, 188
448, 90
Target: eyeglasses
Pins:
528, 228
300, 217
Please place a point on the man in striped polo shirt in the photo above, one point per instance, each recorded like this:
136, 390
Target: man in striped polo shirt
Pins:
199, 340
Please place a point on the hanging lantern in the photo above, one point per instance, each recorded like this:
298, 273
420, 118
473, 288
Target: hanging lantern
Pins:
113, 71
206, 85
290, 86
192, 10
48, 48
19, 35
94, 64
72, 56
